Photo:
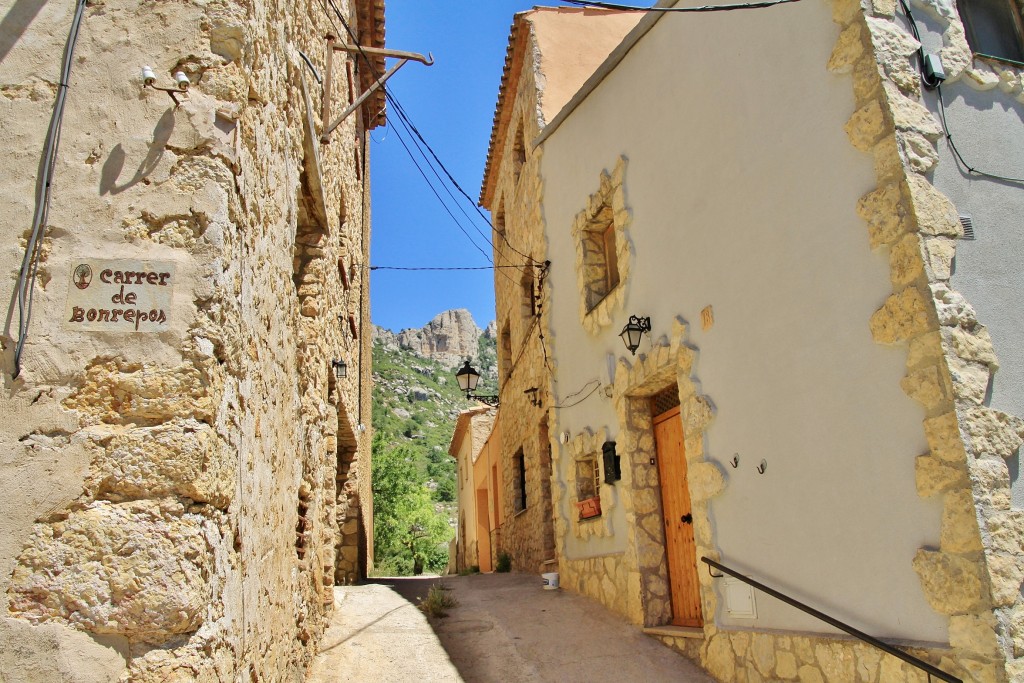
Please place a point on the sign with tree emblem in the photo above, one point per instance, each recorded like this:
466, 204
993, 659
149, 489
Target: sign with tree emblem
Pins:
119, 296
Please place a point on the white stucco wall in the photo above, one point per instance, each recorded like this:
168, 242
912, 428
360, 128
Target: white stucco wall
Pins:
986, 123
743, 186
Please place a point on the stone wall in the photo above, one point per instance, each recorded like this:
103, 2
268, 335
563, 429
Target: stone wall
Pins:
527, 535
176, 501
600, 577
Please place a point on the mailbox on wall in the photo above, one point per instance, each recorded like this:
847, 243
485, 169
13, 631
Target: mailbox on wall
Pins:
612, 463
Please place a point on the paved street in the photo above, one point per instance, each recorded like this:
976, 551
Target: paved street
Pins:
506, 629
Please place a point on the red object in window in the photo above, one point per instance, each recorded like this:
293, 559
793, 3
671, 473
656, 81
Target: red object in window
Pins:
591, 507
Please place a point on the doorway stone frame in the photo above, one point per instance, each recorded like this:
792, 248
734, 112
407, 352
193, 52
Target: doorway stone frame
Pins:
668, 362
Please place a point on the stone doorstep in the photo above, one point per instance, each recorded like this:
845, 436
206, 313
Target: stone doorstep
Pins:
675, 631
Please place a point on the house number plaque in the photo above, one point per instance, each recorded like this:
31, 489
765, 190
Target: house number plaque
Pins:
119, 296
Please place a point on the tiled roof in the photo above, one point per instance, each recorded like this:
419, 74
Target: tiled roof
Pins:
370, 31
568, 44
517, 37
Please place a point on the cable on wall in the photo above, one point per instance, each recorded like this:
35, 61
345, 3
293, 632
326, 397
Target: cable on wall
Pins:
30, 262
597, 385
411, 127
408, 150
971, 170
937, 85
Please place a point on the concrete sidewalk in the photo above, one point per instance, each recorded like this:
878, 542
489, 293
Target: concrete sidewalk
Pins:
378, 636
505, 629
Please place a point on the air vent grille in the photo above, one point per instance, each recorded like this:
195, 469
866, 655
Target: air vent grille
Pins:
968, 224
664, 400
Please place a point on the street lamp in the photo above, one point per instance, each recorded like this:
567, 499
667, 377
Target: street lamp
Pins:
468, 378
631, 332
340, 369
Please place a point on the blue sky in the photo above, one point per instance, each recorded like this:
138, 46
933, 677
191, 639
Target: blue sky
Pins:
452, 105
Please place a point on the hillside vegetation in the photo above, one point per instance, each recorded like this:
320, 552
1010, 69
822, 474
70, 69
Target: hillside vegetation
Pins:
416, 402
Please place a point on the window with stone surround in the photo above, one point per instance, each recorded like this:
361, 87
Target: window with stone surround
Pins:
600, 258
528, 307
588, 477
505, 352
588, 486
588, 501
499, 222
994, 28
602, 251
518, 151
519, 503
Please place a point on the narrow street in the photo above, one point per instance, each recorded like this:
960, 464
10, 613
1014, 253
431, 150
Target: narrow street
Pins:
505, 628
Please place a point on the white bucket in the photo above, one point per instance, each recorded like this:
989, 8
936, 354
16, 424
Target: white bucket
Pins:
550, 581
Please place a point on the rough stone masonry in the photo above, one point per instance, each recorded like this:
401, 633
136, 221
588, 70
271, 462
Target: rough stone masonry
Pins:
185, 472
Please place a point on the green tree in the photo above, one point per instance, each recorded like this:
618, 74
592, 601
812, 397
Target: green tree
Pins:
408, 533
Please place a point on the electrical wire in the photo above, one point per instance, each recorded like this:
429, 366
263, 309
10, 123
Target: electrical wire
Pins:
589, 394
534, 324
702, 8
410, 126
937, 85
405, 145
405, 118
309, 63
486, 239
407, 123
438, 195
956, 152
29, 264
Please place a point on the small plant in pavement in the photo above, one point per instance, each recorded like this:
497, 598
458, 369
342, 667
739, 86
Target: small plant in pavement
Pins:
504, 563
439, 599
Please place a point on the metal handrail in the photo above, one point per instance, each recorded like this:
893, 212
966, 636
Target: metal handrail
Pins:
860, 635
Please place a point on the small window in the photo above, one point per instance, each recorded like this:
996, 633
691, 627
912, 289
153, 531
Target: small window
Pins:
505, 352
994, 28
518, 152
588, 477
499, 221
529, 300
600, 257
610, 258
520, 475
588, 487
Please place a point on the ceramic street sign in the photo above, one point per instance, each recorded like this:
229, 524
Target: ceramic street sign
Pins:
119, 296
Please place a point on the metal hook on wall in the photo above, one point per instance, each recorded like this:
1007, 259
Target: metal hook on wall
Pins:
735, 462
762, 467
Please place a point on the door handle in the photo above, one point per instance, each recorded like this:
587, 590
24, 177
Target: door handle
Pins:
687, 518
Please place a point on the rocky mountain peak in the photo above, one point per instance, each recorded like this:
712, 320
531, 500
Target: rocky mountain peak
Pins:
451, 337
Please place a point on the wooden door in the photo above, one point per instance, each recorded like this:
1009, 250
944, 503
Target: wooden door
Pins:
675, 499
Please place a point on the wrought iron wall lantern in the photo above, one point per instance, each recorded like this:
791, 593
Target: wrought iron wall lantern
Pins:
468, 378
340, 369
631, 332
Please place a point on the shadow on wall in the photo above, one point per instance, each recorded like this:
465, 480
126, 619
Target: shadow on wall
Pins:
114, 164
15, 22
